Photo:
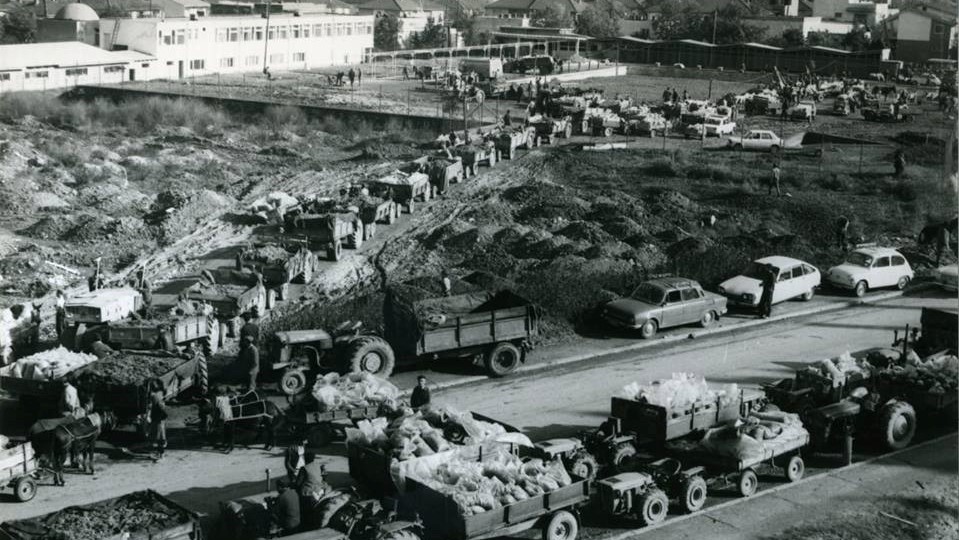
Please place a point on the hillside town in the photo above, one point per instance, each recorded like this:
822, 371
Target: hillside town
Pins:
476, 269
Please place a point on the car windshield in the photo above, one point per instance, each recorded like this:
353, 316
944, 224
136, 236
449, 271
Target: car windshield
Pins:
649, 293
713, 121
859, 259
756, 270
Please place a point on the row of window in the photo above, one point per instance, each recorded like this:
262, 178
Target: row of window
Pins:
76, 72
36, 75
251, 60
296, 31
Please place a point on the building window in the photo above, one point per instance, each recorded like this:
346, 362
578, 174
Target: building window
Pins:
299, 57
4, 76
234, 34
226, 62
329, 29
838, 14
37, 75
144, 66
179, 36
247, 34
220, 35
306, 31
277, 58
252, 60
168, 39
349, 29
284, 32
317, 30
937, 29
197, 64
369, 29
271, 33
258, 33
295, 31
75, 72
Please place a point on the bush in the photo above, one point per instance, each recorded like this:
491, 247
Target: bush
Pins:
719, 173
662, 167
834, 182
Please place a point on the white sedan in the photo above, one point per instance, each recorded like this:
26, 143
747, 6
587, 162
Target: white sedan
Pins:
796, 279
756, 139
871, 268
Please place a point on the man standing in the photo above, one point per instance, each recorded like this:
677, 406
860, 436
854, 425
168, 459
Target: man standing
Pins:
421, 394
225, 413
842, 231
249, 361
61, 306
250, 328
295, 459
158, 416
311, 481
286, 509
899, 162
769, 285
352, 76
774, 181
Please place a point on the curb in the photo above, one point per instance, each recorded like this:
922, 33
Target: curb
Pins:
773, 490
463, 381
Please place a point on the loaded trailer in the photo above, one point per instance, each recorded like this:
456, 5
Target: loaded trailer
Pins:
139, 515
404, 188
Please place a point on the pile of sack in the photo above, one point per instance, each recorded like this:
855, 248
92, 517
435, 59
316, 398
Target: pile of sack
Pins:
755, 438
333, 392
841, 368
49, 365
937, 374
500, 479
680, 392
400, 178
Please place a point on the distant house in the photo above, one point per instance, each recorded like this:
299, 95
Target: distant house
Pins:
639, 15
412, 15
47, 66
924, 32
531, 9
869, 13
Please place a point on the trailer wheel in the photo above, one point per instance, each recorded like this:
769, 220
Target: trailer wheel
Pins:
748, 482
373, 355
393, 214
653, 507
584, 465
897, 425
502, 359
795, 469
561, 526
292, 382
623, 457
411, 206
355, 240
25, 489
694, 494
404, 534
335, 252
608, 132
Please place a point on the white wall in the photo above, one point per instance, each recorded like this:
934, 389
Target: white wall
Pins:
913, 27
56, 77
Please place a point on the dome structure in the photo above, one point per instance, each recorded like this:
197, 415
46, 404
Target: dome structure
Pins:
77, 12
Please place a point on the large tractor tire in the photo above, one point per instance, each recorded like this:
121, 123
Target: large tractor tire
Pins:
373, 355
335, 252
693, 495
622, 458
202, 376
502, 359
292, 382
584, 465
355, 240
561, 526
896, 425
652, 507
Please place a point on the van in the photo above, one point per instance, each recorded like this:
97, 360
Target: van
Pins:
486, 68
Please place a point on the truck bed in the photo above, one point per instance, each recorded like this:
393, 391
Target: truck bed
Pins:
659, 424
772, 448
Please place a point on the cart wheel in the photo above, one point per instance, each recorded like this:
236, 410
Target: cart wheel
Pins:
292, 382
561, 526
25, 489
653, 507
795, 469
748, 482
694, 494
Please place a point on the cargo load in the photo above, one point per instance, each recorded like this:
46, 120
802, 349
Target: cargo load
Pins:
352, 391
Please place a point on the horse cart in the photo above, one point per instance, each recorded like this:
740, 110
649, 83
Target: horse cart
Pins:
321, 427
19, 471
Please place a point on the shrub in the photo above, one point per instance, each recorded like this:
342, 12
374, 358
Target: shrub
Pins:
662, 167
719, 173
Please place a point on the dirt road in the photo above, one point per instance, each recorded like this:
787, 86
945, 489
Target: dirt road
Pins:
572, 398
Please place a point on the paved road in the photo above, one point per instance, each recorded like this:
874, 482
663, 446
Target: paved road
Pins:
572, 398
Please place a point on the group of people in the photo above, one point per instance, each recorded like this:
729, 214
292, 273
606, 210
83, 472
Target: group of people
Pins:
354, 76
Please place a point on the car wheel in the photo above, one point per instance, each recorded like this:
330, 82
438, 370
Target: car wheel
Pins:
707, 319
808, 295
774, 149
903, 281
861, 289
648, 330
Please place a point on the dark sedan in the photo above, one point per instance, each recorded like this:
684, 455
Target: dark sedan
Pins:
663, 303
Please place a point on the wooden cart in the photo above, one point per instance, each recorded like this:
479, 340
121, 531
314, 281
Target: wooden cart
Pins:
19, 470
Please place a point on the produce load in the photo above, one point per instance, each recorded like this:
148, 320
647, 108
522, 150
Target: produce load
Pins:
937, 374
758, 436
399, 178
126, 368
353, 391
680, 391
271, 255
500, 479
132, 515
48, 365
840, 369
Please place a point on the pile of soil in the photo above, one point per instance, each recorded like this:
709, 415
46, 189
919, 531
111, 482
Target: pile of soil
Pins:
125, 369
179, 212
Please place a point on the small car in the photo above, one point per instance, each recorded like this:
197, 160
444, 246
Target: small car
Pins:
715, 126
756, 139
665, 302
871, 268
947, 277
796, 279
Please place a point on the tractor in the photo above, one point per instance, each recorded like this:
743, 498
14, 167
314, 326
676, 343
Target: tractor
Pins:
577, 460
645, 493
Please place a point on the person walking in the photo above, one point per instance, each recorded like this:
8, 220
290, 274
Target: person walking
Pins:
158, 416
774, 181
60, 303
769, 286
249, 361
675, 96
507, 119
842, 233
359, 77
406, 74
421, 394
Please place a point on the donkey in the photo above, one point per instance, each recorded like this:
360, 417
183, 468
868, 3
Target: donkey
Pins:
55, 439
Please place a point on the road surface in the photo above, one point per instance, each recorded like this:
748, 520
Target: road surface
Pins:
569, 399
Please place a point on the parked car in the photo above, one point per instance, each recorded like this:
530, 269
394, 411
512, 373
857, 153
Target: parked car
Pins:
871, 268
804, 110
947, 277
756, 139
797, 279
662, 303
715, 126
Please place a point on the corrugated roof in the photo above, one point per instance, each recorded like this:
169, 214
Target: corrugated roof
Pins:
61, 54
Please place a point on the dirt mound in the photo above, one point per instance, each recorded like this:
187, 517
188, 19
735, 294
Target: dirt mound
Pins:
178, 212
383, 150
52, 227
586, 231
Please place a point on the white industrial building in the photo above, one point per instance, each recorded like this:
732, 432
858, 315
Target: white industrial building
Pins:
47, 66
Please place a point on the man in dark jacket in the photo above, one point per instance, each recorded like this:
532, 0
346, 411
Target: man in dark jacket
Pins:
421, 394
249, 361
769, 286
250, 328
286, 509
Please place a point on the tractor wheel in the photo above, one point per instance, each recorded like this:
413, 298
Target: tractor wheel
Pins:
584, 465
648, 330
335, 253
502, 359
653, 507
897, 425
393, 215
25, 489
608, 132
404, 534
411, 206
748, 482
355, 240
202, 375
561, 526
292, 382
707, 319
373, 355
901, 284
795, 469
861, 289
693, 496
623, 457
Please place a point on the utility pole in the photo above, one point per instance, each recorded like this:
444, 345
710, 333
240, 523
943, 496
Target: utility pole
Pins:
715, 17
266, 41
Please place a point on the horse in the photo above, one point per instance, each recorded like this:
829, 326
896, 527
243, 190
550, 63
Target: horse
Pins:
261, 416
56, 438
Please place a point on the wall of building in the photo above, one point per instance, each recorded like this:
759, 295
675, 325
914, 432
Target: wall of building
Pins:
186, 48
53, 78
913, 27
54, 30
643, 29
